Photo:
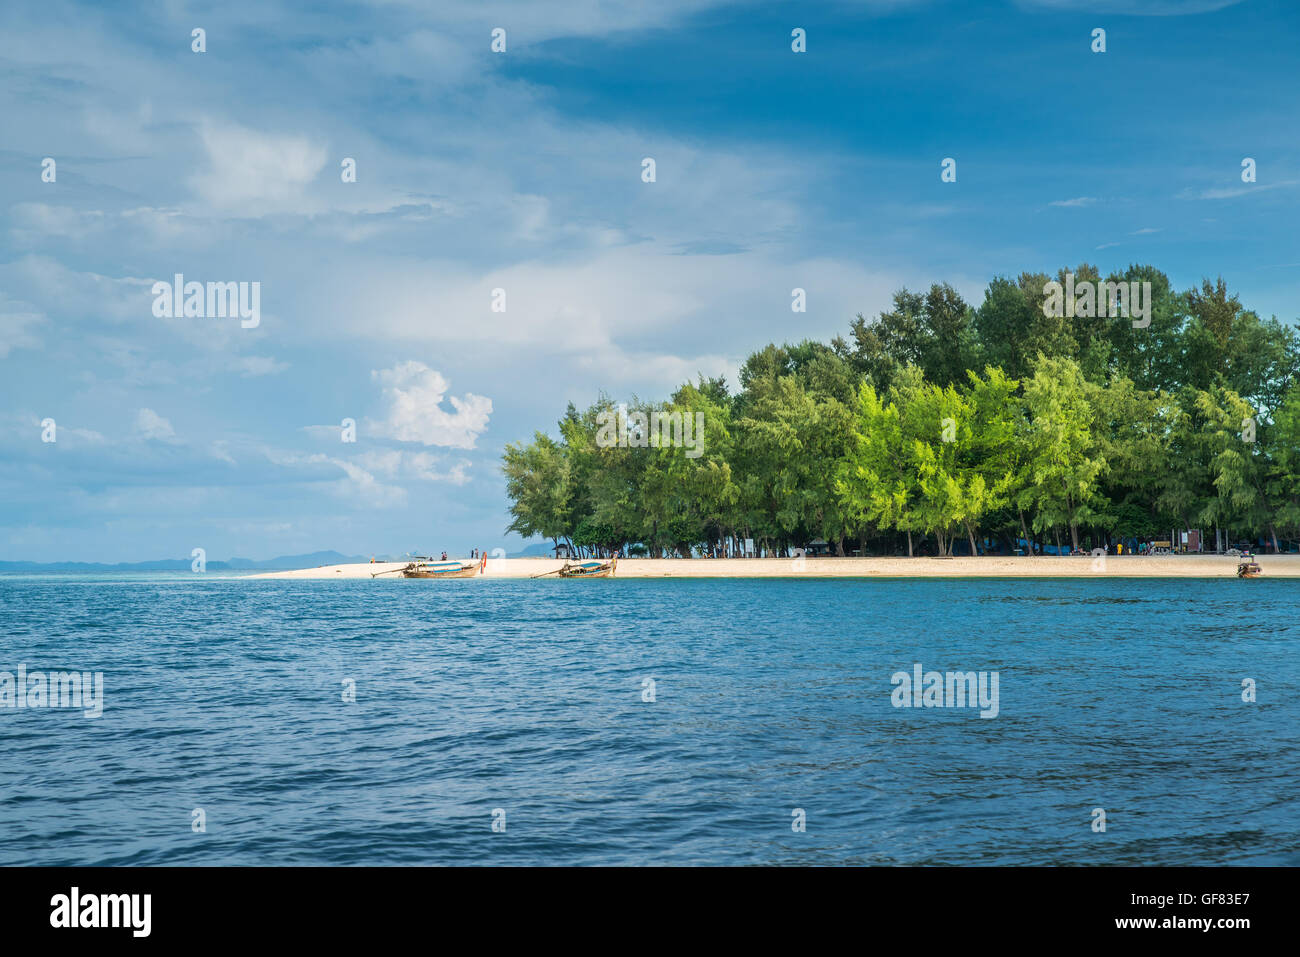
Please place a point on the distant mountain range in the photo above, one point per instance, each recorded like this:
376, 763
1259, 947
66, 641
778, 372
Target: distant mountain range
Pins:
183, 564
536, 550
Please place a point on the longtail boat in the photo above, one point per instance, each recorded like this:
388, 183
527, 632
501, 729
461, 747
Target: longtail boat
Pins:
428, 568
445, 569
589, 569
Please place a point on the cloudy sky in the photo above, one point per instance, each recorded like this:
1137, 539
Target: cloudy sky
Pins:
522, 171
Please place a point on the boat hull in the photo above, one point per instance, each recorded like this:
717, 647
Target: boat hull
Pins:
446, 570
463, 572
578, 571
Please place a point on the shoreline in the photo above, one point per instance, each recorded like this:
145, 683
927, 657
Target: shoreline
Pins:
1042, 566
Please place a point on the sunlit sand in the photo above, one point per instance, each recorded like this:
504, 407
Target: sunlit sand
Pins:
1124, 566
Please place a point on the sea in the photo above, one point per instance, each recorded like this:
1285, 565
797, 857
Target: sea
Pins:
650, 722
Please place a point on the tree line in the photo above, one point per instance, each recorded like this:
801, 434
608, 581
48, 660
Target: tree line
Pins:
939, 424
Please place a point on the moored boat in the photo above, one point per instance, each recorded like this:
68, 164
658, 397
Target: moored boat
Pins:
589, 569
1249, 568
444, 569
428, 568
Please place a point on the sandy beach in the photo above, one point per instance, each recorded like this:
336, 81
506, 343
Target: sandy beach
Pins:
1124, 566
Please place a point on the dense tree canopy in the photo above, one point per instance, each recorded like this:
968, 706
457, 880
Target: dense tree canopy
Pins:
943, 423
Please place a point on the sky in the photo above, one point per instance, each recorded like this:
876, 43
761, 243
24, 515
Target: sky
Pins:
522, 171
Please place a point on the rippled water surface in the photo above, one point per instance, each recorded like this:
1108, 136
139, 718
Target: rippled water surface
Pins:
526, 696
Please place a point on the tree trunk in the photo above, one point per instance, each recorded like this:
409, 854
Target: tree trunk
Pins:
1056, 534
909, 543
839, 547
1024, 530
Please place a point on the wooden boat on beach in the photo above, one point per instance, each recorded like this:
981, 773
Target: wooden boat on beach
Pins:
428, 568
589, 569
1248, 567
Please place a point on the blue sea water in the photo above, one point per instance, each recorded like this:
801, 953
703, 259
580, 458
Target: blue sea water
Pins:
770, 696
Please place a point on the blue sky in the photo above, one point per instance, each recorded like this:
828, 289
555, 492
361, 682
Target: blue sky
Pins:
521, 171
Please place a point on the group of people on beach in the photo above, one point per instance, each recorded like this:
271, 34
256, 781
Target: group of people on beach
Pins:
1142, 548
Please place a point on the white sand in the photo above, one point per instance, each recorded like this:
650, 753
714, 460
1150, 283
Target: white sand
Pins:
1124, 566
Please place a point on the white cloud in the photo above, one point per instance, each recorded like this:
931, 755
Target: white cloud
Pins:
1234, 191
403, 464
30, 220
252, 173
17, 321
358, 486
22, 427
251, 366
630, 318
79, 296
157, 228
151, 425
415, 394
221, 451
1077, 201
363, 485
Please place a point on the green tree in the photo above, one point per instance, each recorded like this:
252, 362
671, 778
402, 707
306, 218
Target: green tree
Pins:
934, 331
1238, 470
873, 480
1063, 461
1283, 470
537, 482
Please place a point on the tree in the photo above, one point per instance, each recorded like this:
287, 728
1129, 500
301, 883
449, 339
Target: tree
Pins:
1132, 428
1237, 469
1062, 457
935, 422
1283, 470
537, 482
934, 331
993, 452
1151, 355
1014, 329
786, 444
700, 483
873, 480
1076, 420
